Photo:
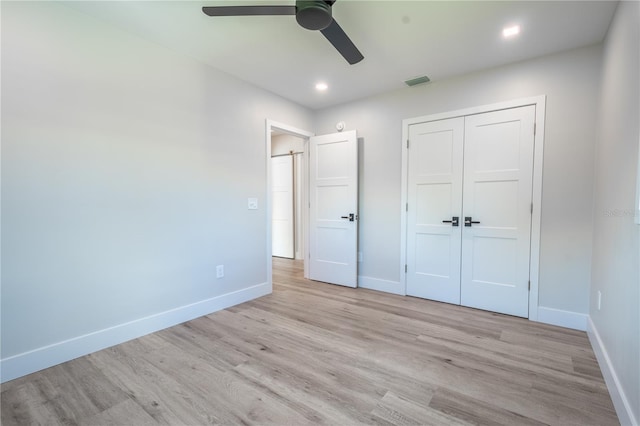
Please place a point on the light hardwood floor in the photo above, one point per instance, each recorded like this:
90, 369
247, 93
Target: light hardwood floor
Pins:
317, 353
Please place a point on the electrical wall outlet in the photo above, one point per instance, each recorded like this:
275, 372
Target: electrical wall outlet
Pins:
219, 271
252, 203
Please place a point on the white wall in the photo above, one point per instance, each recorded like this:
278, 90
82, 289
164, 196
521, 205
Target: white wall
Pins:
570, 82
126, 170
615, 327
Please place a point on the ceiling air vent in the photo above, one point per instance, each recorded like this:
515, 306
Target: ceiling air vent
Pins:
417, 80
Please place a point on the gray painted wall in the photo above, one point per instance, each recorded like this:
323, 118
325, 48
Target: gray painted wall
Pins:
616, 253
570, 82
123, 166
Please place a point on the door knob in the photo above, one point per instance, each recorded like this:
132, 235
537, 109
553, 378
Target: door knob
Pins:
351, 217
468, 221
453, 221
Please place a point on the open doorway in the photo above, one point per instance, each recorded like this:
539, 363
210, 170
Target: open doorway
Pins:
287, 194
329, 224
287, 151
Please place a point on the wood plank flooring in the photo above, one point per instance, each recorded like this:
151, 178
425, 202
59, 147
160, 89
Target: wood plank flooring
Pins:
314, 353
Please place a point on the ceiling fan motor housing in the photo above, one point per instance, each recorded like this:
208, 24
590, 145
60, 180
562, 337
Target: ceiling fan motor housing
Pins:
313, 14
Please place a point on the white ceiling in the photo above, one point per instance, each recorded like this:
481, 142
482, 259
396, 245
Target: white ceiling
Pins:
399, 40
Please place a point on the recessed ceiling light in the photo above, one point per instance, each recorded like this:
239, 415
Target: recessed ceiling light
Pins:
511, 31
321, 87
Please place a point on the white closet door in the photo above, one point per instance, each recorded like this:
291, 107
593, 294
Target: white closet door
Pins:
435, 196
498, 177
282, 224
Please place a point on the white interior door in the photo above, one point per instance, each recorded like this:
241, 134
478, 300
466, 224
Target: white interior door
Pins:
282, 218
333, 196
434, 207
498, 177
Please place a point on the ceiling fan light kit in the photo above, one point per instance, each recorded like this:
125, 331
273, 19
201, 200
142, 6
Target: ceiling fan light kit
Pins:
310, 14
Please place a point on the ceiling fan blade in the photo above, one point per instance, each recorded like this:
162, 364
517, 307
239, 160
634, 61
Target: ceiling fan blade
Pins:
248, 10
342, 43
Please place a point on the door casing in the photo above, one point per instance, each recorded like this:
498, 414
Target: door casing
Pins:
540, 104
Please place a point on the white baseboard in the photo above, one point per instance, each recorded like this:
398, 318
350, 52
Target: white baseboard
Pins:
561, 318
57, 353
381, 285
620, 401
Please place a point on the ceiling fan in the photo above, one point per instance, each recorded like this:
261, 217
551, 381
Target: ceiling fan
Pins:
310, 14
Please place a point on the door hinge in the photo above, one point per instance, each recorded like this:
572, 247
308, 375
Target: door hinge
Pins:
407, 143
535, 125
529, 285
405, 268
531, 208
406, 207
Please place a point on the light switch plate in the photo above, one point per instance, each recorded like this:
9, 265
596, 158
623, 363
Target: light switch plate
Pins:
252, 204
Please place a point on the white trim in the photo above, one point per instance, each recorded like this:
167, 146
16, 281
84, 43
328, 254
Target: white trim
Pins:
515, 103
536, 198
538, 155
568, 319
304, 134
57, 353
394, 287
404, 199
620, 401
300, 194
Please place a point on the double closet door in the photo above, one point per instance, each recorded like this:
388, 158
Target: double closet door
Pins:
469, 210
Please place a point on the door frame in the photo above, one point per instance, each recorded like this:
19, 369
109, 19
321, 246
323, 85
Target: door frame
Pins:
534, 263
271, 125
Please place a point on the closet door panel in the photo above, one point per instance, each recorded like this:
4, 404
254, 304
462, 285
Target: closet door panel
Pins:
496, 236
435, 196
